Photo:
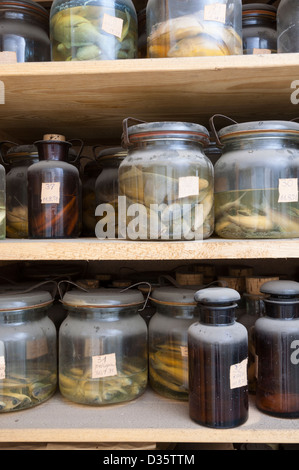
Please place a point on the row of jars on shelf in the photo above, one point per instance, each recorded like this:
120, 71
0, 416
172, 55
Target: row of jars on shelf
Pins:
104, 30
160, 185
193, 349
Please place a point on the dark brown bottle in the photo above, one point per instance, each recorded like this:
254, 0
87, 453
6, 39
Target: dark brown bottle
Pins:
277, 349
54, 193
218, 354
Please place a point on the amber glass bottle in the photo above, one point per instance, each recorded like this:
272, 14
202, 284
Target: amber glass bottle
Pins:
53, 192
277, 346
217, 355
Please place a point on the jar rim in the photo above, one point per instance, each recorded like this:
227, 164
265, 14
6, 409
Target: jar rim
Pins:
102, 298
254, 10
258, 128
25, 5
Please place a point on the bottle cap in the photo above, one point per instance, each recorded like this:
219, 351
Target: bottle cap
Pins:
217, 295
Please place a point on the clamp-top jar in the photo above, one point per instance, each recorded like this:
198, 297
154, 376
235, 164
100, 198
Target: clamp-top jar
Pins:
169, 179
194, 28
277, 341
94, 30
24, 29
28, 362
103, 346
256, 180
217, 353
259, 29
288, 26
176, 310
17, 160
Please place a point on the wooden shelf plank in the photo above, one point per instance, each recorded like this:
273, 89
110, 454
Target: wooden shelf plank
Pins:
90, 100
94, 249
150, 418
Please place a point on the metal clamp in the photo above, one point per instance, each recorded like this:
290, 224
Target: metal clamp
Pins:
213, 129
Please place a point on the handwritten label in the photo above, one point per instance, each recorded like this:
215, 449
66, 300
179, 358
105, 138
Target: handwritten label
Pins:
261, 51
36, 348
50, 193
215, 12
188, 186
2, 367
112, 25
288, 190
238, 374
184, 351
103, 366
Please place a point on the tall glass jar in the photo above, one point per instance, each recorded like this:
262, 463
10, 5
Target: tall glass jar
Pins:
17, 160
259, 29
256, 181
53, 191
28, 359
218, 352
194, 28
168, 180
277, 341
24, 29
94, 30
103, 346
106, 185
176, 310
288, 26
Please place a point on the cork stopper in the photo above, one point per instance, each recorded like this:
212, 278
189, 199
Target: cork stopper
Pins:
237, 283
253, 284
189, 279
242, 271
58, 137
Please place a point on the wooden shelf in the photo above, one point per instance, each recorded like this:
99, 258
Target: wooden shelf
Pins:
90, 100
101, 250
150, 418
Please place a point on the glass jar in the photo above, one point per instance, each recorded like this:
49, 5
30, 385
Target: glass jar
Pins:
90, 173
176, 310
97, 30
218, 354
103, 346
17, 160
24, 29
28, 358
53, 191
256, 181
168, 180
194, 28
106, 187
259, 29
277, 340
288, 26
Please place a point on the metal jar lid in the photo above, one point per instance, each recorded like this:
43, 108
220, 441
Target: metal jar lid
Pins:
254, 10
217, 295
102, 298
260, 128
171, 295
147, 131
18, 300
281, 288
24, 5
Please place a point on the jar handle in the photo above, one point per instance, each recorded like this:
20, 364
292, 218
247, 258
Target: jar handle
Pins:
80, 150
125, 138
148, 294
213, 129
1, 156
36, 286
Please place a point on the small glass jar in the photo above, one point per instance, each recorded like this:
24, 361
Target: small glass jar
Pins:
103, 346
106, 185
256, 181
194, 28
288, 26
54, 191
168, 180
17, 160
91, 171
176, 310
218, 354
28, 358
259, 29
24, 29
97, 30
277, 341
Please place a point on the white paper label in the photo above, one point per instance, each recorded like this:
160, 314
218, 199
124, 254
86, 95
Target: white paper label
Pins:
261, 51
238, 374
103, 366
50, 193
288, 190
112, 25
2, 367
188, 186
215, 12
184, 351
36, 348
